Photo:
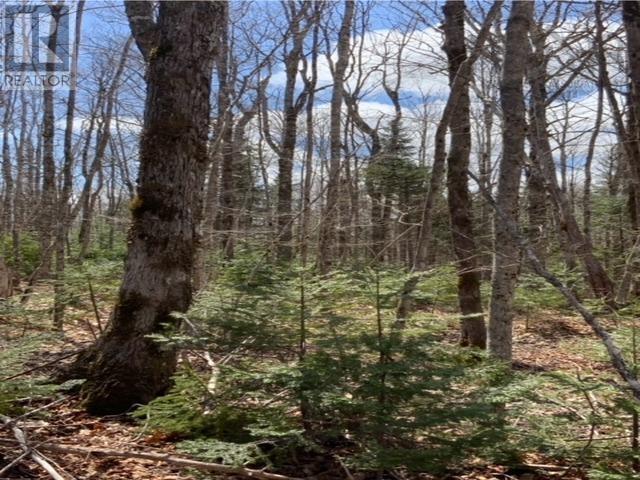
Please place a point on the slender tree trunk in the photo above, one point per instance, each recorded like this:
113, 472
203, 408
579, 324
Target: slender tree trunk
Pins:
7, 174
330, 214
18, 200
307, 183
129, 367
378, 228
62, 218
224, 134
85, 203
48, 208
506, 252
462, 77
472, 327
586, 195
599, 280
484, 170
286, 150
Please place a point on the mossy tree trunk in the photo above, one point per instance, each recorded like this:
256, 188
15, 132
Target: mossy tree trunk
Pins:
128, 367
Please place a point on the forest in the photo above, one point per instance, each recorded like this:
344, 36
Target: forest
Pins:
320, 239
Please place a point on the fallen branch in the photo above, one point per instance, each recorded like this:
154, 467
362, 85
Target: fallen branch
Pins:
159, 457
21, 440
536, 466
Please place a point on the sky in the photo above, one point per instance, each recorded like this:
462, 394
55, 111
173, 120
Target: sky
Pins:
424, 82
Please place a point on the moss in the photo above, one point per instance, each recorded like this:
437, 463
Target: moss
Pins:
158, 51
135, 204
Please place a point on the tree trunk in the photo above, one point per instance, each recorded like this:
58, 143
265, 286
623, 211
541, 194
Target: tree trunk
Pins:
307, 182
130, 368
472, 327
462, 77
330, 214
7, 175
506, 256
286, 150
536, 203
631, 19
62, 219
224, 140
48, 207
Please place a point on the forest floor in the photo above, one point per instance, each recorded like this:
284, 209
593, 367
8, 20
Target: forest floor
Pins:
545, 341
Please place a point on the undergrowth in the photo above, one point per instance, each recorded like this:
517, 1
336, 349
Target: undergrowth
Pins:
306, 364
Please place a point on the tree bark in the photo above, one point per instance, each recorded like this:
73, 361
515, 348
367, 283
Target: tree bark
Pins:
129, 367
7, 175
472, 326
307, 183
506, 256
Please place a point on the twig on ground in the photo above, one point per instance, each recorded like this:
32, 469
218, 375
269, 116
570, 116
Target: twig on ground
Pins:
21, 440
160, 457
13, 463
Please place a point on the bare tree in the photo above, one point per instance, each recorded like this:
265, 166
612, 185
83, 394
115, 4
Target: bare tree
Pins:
506, 252
599, 280
461, 80
299, 24
329, 223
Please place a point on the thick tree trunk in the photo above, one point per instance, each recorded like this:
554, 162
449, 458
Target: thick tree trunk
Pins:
472, 327
506, 257
631, 18
128, 366
629, 141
